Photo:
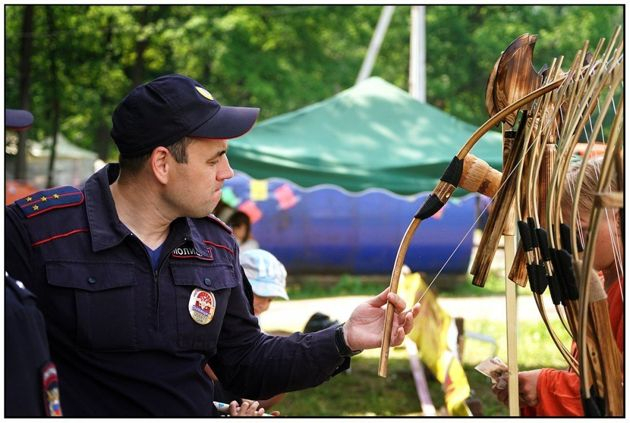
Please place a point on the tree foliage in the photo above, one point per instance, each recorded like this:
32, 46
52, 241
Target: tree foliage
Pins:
279, 58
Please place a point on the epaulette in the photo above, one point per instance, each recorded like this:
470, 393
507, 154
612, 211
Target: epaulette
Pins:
50, 199
220, 222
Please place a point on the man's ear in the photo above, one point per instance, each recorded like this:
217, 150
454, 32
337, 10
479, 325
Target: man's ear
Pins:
160, 163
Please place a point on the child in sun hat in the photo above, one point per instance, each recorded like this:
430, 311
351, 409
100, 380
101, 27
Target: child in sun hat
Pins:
267, 276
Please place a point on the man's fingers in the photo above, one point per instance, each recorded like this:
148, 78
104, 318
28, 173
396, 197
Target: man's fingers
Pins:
408, 322
397, 302
397, 336
380, 299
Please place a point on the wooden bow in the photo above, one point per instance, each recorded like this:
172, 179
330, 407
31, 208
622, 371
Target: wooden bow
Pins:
552, 118
452, 178
587, 88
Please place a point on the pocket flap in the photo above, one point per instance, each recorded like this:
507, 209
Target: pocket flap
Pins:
212, 277
90, 276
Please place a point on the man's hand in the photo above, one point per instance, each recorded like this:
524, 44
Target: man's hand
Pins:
527, 384
364, 328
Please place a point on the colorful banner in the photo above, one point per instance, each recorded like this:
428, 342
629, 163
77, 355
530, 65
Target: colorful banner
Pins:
251, 209
435, 334
258, 190
286, 197
229, 198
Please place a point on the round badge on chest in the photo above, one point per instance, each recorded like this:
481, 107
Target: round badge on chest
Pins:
201, 306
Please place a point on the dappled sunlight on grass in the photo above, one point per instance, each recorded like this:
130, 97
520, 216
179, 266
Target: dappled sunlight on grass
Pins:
535, 348
361, 392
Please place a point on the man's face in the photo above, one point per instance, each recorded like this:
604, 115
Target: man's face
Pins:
194, 188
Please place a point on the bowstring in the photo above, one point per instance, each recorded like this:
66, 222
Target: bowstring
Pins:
612, 228
475, 222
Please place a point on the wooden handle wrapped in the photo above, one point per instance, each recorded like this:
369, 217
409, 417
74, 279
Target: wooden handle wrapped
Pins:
479, 176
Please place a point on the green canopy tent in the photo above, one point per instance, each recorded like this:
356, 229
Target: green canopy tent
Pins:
372, 135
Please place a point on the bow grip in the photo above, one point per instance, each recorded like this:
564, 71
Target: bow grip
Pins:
442, 192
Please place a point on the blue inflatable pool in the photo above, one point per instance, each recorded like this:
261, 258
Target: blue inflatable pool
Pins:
328, 230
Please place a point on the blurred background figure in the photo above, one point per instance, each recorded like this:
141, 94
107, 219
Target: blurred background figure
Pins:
241, 226
31, 387
268, 278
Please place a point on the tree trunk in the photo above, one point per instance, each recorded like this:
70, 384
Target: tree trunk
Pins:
103, 139
137, 72
26, 51
54, 86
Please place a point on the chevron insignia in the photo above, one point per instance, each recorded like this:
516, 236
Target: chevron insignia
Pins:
50, 199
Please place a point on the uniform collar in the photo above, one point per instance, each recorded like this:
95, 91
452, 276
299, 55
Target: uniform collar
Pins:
196, 238
107, 230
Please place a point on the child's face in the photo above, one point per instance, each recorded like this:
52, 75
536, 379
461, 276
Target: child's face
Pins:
239, 232
261, 304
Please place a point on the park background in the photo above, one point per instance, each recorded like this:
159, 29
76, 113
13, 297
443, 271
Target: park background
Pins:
71, 64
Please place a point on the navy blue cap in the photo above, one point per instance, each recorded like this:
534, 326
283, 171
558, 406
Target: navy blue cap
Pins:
18, 120
167, 109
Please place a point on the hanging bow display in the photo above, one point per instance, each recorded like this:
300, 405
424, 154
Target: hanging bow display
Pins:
544, 115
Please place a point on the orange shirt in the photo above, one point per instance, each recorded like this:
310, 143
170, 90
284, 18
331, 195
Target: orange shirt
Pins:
558, 391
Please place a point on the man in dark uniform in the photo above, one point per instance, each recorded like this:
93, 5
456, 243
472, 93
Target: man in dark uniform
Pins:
30, 377
143, 285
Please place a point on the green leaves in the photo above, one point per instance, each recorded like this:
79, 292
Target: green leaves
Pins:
279, 58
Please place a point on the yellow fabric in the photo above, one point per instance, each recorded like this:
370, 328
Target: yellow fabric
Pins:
430, 333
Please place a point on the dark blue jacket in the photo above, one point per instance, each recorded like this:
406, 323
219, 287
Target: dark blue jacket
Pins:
122, 335
31, 386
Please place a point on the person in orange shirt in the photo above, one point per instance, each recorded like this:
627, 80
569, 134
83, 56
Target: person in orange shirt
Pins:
553, 392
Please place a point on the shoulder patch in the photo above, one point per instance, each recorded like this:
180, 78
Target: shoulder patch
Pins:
50, 199
220, 222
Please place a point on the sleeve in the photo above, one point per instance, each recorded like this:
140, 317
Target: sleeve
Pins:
616, 311
17, 246
558, 395
256, 365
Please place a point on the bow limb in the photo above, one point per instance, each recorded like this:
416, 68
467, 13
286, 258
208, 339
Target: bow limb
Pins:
450, 180
589, 86
543, 123
594, 320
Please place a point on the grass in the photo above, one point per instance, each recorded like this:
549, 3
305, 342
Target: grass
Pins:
362, 393
315, 286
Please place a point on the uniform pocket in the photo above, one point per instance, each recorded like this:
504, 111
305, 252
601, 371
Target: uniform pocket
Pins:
105, 301
202, 294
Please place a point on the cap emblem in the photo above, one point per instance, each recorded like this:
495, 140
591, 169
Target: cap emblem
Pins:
204, 93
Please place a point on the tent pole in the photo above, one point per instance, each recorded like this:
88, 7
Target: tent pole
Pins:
375, 43
417, 55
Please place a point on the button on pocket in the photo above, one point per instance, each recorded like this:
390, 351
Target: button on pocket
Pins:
104, 300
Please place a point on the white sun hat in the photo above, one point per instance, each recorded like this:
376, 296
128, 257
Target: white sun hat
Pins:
266, 274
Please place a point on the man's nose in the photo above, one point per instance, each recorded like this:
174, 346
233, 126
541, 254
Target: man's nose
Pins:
226, 171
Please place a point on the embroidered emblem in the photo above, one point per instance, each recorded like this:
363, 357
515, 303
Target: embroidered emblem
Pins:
204, 93
50, 387
201, 306
190, 252
54, 198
